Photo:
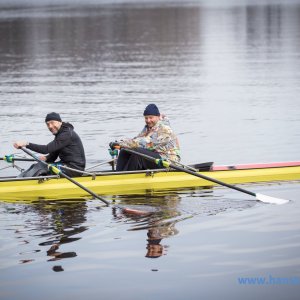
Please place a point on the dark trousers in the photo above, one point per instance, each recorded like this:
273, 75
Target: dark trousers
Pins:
40, 169
131, 162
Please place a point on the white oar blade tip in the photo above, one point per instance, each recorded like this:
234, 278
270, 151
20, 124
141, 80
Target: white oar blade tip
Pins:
271, 200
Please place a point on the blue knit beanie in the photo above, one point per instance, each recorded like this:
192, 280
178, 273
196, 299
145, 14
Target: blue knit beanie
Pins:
151, 110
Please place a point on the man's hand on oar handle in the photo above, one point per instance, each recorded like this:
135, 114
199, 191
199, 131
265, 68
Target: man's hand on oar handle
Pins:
21, 144
114, 145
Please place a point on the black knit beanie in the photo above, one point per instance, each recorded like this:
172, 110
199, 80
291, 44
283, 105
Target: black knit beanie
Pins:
53, 117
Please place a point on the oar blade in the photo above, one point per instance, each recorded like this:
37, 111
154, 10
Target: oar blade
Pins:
138, 210
271, 200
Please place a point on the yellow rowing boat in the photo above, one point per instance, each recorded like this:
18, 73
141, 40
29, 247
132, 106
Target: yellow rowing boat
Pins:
120, 183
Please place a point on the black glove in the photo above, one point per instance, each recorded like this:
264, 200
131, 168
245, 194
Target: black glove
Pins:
114, 145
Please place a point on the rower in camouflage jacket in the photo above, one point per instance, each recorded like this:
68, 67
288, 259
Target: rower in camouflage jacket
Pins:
160, 138
157, 140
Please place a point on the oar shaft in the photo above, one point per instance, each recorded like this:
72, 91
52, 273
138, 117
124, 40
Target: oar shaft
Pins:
17, 159
84, 188
212, 179
173, 166
65, 176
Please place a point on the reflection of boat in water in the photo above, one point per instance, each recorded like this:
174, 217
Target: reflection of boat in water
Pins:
124, 183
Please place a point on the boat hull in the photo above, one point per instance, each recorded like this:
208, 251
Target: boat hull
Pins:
134, 183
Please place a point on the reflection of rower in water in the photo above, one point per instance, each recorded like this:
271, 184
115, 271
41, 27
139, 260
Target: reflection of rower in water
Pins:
155, 235
64, 220
154, 248
158, 227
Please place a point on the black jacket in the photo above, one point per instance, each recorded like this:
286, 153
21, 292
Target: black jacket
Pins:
66, 145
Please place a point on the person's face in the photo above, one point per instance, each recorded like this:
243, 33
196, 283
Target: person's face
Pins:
54, 126
151, 120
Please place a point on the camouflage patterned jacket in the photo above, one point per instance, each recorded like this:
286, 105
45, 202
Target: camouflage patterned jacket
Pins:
160, 138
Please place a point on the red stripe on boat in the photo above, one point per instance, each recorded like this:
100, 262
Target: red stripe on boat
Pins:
257, 166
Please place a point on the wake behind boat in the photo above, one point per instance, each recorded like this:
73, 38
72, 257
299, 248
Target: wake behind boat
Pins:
133, 182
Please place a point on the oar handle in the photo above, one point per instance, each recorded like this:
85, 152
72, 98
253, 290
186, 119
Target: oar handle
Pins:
59, 172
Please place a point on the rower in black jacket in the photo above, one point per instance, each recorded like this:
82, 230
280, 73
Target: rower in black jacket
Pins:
66, 146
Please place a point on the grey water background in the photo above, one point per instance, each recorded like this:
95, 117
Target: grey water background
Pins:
227, 74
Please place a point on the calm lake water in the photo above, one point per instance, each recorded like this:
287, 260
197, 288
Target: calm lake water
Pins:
227, 75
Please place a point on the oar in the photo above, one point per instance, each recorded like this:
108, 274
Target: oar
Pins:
166, 164
11, 158
60, 173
